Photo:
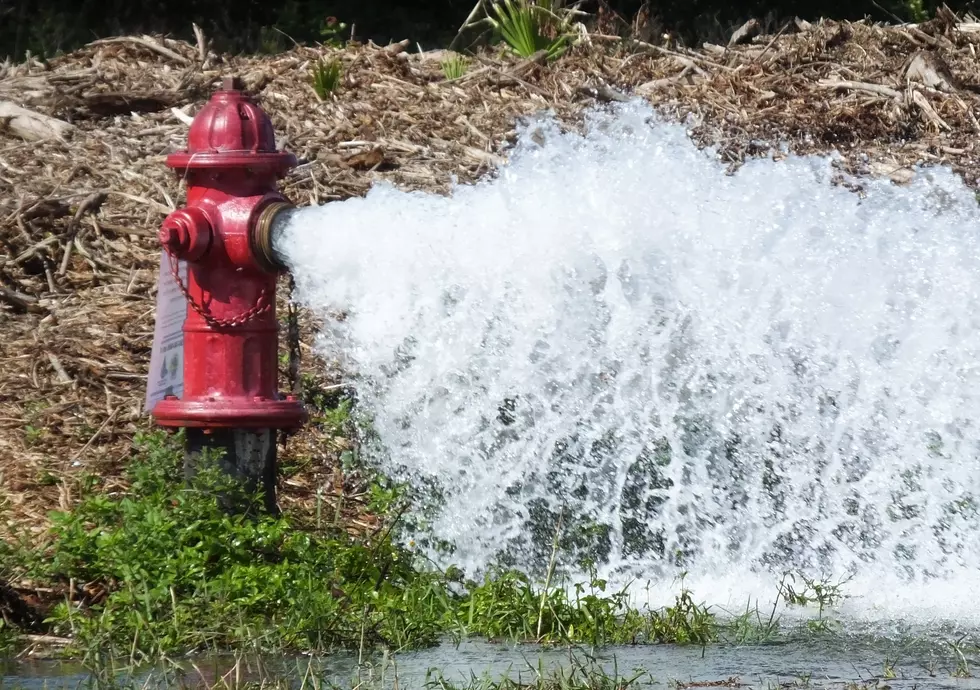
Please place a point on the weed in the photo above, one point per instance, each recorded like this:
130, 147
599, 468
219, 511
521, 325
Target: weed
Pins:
172, 572
167, 571
686, 622
819, 592
580, 673
326, 77
183, 575
333, 420
523, 26
507, 605
751, 627
34, 435
527, 26
454, 66
331, 30
962, 669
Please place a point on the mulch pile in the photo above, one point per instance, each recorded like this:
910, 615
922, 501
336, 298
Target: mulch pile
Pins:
82, 194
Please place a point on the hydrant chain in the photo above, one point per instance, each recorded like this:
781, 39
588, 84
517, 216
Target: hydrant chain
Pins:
261, 306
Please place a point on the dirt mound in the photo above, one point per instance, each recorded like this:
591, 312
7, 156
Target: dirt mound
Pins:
83, 185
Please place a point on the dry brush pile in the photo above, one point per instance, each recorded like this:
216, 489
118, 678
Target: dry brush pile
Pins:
83, 185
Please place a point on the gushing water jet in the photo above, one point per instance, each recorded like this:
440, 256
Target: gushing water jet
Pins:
727, 376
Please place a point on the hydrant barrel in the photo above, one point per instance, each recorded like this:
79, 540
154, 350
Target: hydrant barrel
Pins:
231, 167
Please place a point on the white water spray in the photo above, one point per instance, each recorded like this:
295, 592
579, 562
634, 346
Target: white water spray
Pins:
730, 376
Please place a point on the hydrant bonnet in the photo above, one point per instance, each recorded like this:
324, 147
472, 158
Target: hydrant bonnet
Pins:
231, 131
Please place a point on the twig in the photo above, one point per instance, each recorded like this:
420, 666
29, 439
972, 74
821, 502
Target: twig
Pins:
467, 23
156, 205
664, 51
63, 376
202, 44
182, 116
92, 201
928, 111
551, 571
772, 42
146, 42
32, 126
47, 639
32, 251
21, 301
877, 89
98, 431
604, 93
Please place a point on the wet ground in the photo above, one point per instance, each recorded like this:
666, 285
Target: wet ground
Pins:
849, 662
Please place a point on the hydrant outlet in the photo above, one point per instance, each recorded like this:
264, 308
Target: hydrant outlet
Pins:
267, 228
186, 234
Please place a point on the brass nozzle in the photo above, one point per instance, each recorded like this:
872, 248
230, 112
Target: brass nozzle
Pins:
261, 237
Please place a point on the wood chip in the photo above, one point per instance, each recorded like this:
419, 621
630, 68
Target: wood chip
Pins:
746, 32
931, 70
32, 126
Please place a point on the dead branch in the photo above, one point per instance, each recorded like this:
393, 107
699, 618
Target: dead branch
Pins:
146, 42
866, 87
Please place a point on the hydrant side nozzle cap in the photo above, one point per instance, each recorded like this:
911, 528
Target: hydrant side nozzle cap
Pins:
186, 233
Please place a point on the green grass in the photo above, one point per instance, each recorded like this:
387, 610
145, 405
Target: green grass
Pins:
184, 576
508, 605
525, 25
325, 76
454, 66
582, 672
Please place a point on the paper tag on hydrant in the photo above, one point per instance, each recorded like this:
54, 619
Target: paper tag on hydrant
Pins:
166, 376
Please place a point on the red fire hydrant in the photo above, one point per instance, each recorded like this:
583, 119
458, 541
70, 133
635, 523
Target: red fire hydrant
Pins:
230, 397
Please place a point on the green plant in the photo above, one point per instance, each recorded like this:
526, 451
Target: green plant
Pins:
8, 639
180, 574
454, 66
582, 672
508, 605
915, 10
752, 627
34, 435
331, 31
686, 622
171, 572
270, 41
823, 593
326, 77
962, 669
526, 26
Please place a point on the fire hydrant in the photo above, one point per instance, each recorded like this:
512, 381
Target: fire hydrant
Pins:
230, 397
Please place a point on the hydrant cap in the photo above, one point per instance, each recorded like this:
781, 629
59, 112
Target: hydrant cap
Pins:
231, 131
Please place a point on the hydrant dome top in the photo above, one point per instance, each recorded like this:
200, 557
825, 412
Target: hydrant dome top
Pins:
231, 131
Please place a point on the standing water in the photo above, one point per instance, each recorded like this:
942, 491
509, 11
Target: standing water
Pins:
727, 376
